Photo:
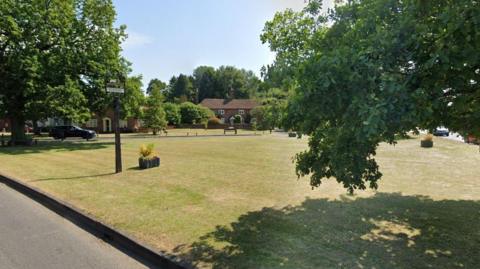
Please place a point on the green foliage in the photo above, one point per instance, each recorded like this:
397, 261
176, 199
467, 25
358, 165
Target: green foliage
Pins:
205, 82
194, 114
235, 83
154, 115
253, 124
55, 57
377, 68
258, 115
205, 114
208, 82
133, 99
172, 113
270, 115
180, 89
237, 119
156, 84
68, 101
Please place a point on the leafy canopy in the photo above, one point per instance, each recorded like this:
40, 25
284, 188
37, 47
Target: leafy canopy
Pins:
371, 69
153, 114
54, 58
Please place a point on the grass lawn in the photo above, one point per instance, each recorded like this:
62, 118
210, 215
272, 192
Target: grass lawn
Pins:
186, 132
235, 202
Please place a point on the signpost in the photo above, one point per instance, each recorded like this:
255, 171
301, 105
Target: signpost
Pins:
112, 87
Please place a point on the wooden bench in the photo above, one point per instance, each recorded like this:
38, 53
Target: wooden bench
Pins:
229, 129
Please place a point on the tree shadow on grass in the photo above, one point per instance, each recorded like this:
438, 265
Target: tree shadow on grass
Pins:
59, 146
68, 178
384, 231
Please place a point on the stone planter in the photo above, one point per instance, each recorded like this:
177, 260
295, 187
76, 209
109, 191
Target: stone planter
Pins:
148, 163
426, 143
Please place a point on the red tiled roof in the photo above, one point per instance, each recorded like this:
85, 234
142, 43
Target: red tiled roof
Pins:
229, 104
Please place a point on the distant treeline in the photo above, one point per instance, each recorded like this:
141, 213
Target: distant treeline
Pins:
208, 82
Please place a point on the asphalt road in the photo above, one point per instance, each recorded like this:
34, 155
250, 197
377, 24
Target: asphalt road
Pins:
31, 236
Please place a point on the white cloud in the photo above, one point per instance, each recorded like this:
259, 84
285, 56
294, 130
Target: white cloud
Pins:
135, 40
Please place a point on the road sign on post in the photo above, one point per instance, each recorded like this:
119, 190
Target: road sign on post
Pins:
112, 87
115, 90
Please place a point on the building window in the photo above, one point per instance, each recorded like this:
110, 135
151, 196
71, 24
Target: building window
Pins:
241, 111
123, 124
92, 123
221, 112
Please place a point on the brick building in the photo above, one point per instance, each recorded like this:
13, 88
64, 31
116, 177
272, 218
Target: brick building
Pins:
98, 123
225, 109
104, 123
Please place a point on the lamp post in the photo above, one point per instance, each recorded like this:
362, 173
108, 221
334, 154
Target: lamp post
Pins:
113, 87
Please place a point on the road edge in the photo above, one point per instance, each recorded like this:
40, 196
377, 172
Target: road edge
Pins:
125, 243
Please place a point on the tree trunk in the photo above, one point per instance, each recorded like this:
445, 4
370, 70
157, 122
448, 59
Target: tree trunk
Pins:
154, 131
18, 131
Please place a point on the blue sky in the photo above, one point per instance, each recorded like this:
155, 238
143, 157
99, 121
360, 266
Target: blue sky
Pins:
169, 37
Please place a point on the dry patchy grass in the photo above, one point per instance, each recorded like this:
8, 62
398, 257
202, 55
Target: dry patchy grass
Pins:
233, 202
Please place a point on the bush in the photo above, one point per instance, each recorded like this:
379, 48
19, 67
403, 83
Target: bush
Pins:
248, 118
146, 151
214, 121
237, 119
254, 125
172, 113
189, 113
192, 114
205, 114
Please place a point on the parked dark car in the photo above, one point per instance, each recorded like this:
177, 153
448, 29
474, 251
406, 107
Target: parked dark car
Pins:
441, 132
62, 132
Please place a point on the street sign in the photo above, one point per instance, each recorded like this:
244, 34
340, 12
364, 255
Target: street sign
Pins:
115, 90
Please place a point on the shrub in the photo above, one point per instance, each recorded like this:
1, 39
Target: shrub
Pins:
191, 113
214, 121
237, 119
254, 124
248, 118
172, 113
205, 114
146, 151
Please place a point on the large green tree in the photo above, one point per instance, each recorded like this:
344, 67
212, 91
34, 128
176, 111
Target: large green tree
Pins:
232, 82
133, 99
156, 83
180, 89
371, 69
204, 78
153, 114
54, 58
